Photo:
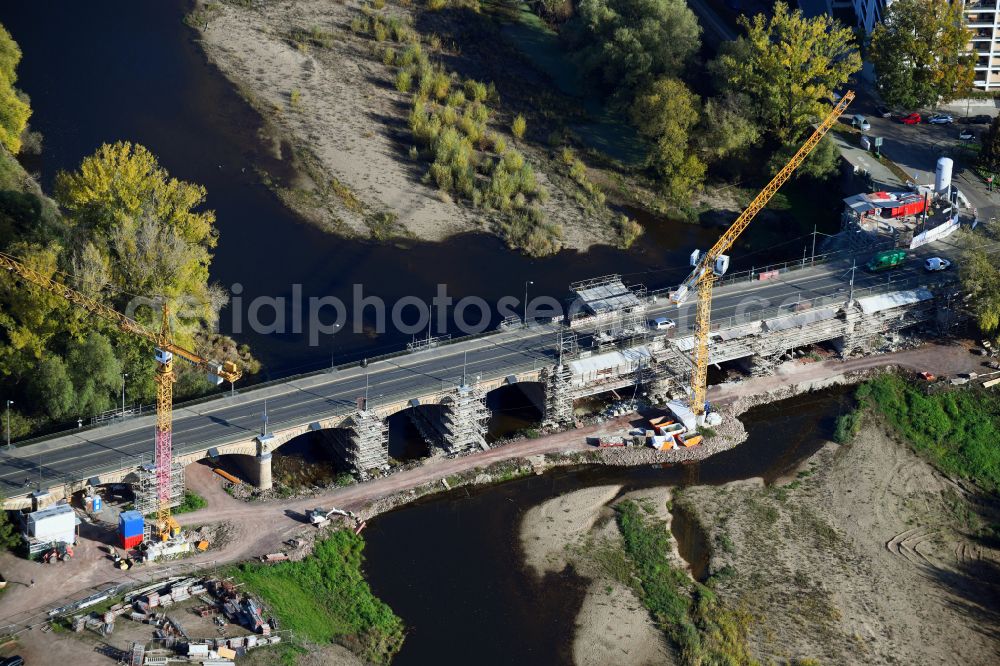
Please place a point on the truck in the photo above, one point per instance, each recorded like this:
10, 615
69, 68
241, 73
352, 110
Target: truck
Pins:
883, 261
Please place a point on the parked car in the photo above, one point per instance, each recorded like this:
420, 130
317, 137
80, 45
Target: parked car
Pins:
911, 119
966, 135
16, 660
982, 119
941, 119
860, 122
664, 323
936, 264
883, 111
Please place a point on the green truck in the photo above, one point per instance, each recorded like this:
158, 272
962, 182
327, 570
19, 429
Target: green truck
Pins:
883, 261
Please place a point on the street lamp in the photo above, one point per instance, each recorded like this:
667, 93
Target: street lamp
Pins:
336, 327
9, 403
525, 318
124, 375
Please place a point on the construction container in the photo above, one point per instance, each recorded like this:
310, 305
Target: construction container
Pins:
56, 523
130, 524
131, 541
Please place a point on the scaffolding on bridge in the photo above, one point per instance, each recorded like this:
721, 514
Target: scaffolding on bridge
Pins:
364, 443
147, 493
467, 419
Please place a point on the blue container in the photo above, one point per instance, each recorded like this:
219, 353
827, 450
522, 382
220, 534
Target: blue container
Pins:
98, 504
130, 523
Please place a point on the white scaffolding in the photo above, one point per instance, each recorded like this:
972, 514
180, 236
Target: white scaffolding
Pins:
147, 499
467, 419
364, 444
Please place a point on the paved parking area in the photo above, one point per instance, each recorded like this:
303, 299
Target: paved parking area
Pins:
916, 149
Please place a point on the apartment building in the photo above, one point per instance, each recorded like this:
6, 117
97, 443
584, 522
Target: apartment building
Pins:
981, 17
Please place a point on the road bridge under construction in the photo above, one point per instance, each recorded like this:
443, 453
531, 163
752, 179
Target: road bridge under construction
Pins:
607, 345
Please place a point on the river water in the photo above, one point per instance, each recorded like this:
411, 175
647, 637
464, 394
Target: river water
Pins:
119, 70
451, 565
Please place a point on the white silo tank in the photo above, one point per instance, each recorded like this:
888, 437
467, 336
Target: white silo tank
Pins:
942, 176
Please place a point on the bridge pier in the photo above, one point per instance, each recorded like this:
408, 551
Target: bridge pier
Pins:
364, 443
466, 420
558, 396
256, 469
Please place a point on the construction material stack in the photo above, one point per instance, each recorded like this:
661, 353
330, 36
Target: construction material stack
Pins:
130, 529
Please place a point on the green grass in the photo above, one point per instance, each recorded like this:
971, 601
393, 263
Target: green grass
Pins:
324, 598
191, 502
703, 630
957, 431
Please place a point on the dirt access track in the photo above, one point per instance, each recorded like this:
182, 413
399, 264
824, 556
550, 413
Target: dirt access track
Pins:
261, 527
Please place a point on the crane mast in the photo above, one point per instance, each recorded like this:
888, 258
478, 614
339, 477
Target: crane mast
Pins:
164, 353
707, 267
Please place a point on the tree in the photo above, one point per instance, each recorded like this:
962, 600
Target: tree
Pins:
146, 224
726, 129
10, 535
989, 156
822, 162
52, 388
630, 43
14, 108
787, 67
981, 281
665, 115
95, 372
919, 53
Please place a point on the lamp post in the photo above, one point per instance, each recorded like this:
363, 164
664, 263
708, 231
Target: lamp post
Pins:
336, 327
525, 319
124, 376
9, 403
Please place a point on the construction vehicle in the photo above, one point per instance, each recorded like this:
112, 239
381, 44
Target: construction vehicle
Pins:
164, 352
713, 264
320, 517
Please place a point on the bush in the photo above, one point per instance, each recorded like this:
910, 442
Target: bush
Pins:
519, 126
847, 427
475, 90
192, 502
389, 56
436, 5
404, 81
630, 230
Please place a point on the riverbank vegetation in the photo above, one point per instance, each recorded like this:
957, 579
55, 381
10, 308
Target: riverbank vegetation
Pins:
324, 598
120, 230
702, 629
956, 430
667, 116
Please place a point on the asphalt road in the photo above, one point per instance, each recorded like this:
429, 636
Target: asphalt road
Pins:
81, 454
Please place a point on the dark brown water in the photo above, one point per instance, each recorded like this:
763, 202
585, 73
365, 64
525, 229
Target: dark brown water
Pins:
450, 565
111, 69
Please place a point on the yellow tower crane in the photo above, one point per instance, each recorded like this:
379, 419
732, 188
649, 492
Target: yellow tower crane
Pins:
165, 350
712, 264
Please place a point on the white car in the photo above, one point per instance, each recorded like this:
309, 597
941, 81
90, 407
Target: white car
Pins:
941, 119
664, 323
966, 135
861, 123
936, 264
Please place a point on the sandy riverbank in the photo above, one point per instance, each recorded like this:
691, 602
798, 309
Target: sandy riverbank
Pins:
612, 625
863, 558
334, 113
